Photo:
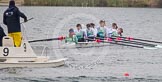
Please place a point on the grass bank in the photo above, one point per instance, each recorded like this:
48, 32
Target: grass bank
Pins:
94, 3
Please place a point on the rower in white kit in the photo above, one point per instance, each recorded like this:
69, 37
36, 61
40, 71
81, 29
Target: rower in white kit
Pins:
94, 29
80, 34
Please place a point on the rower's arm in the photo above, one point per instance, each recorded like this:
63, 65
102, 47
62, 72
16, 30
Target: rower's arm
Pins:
93, 33
76, 39
84, 34
105, 32
65, 39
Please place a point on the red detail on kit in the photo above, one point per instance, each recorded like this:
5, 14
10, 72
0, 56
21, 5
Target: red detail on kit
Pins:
129, 38
118, 38
61, 38
126, 74
98, 40
109, 39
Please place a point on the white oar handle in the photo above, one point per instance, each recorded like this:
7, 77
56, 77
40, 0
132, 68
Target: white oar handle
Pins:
27, 20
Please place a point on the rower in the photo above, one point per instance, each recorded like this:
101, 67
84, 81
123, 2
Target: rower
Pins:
118, 32
94, 29
72, 37
101, 30
80, 33
114, 27
89, 32
111, 30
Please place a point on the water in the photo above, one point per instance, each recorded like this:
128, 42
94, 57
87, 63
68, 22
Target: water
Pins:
103, 64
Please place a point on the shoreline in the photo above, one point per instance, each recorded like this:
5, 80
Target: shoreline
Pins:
80, 6
89, 3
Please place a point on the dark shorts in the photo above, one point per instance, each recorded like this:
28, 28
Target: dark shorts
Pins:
91, 38
81, 40
100, 37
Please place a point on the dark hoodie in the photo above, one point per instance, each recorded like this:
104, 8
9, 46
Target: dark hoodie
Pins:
11, 3
11, 18
2, 34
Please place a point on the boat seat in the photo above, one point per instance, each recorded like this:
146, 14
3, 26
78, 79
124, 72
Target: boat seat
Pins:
7, 41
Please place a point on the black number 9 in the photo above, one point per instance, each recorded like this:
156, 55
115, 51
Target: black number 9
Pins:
5, 51
24, 47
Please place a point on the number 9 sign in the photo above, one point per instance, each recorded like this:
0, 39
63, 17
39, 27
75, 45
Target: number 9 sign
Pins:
5, 52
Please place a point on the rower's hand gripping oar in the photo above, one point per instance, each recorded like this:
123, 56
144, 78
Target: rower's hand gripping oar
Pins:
50, 39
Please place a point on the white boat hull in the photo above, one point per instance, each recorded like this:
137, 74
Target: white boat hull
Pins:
84, 45
50, 63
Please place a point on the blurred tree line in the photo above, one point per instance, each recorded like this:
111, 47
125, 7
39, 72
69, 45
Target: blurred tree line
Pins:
160, 3
96, 3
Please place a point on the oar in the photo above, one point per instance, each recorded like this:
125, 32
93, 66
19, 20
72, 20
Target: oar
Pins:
143, 44
27, 20
50, 39
113, 42
118, 39
136, 42
130, 38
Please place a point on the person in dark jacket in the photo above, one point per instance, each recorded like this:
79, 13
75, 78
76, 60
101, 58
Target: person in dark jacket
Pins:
11, 18
2, 34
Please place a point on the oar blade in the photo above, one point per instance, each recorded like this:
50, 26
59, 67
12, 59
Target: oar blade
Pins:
158, 46
150, 48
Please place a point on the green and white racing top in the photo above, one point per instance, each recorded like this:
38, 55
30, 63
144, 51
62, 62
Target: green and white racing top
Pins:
79, 34
101, 32
114, 33
89, 32
73, 39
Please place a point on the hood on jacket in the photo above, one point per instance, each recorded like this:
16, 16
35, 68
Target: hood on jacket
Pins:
11, 3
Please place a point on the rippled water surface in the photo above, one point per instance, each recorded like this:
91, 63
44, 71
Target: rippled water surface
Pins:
99, 64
